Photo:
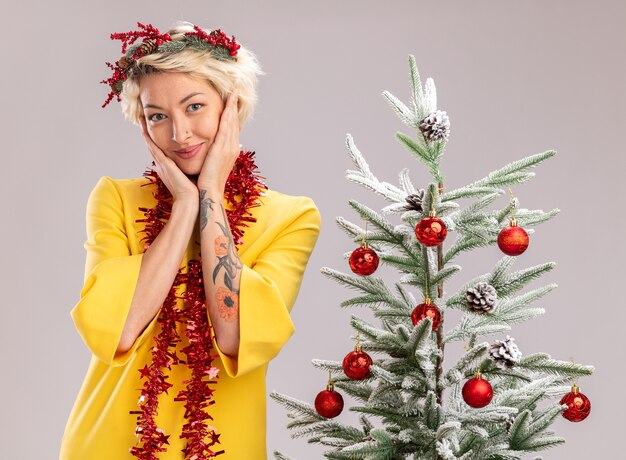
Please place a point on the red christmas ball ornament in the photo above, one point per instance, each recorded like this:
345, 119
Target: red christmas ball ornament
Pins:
431, 231
329, 403
356, 364
477, 391
424, 310
513, 240
579, 405
364, 260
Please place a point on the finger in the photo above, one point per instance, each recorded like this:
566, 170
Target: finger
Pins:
234, 141
222, 136
230, 116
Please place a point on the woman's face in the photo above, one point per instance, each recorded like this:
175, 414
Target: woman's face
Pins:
181, 113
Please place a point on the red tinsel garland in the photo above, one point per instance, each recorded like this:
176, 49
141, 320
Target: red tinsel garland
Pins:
242, 190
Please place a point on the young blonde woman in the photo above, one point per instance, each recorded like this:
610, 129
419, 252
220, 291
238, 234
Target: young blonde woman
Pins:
192, 270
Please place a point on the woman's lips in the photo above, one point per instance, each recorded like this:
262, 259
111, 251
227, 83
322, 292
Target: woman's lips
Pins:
188, 152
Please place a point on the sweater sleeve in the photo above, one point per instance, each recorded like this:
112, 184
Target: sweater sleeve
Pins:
111, 274
268, 290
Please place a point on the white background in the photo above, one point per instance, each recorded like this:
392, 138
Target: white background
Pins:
516, 78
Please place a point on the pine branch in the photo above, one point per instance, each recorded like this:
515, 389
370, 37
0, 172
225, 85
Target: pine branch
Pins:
360, 391
379, 447
411, 250
355, 232
466, 242
526, 433
404, 113
430, 96
332, 366
386, 395
509, 311
468, 191
507, 285
329, 428
530, 218
447, 429
419, 338
333, 442
405, 182
365, 177
472, 211
401, 263
375, 288
544, 363
432, 411
417, 92
443, 275
513, 172
455, 373
367, 330
504, 283
366, 424
515, 397
487, 415
422, 153
295, 405
498, 273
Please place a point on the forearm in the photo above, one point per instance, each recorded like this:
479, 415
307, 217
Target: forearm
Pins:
221, 268
159, 267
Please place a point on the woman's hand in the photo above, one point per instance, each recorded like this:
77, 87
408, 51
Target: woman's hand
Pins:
224, 151
179, 185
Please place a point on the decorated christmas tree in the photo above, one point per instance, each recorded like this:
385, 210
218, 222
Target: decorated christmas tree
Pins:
494, 403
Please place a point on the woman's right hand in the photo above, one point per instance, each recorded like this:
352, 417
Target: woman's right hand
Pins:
179, 185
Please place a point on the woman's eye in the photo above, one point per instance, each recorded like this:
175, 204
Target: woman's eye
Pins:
195, 107
156, 117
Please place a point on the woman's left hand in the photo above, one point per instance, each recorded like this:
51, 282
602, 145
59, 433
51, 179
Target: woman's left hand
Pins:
224, 151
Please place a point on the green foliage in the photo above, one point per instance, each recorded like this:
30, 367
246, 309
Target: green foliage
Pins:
401, 406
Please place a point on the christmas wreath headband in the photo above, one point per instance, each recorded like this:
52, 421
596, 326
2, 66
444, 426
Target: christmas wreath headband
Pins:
217, 42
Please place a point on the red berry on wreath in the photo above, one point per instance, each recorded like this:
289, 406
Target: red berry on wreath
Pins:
513, 240
579, 405
329, 403
424, 310
364, 260
431, 231
477, 391
356, 364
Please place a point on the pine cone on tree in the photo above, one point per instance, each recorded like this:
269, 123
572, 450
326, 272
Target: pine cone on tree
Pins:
482, 297
505, 353
436, 126
414, 201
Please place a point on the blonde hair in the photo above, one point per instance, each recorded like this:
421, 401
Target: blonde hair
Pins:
223, 75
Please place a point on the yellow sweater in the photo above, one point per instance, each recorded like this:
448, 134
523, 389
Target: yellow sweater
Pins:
275, 252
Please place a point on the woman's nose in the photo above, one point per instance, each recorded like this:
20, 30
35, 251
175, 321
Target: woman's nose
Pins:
180, 130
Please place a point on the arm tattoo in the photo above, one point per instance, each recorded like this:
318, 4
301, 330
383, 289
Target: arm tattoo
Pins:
227, 259
206, 205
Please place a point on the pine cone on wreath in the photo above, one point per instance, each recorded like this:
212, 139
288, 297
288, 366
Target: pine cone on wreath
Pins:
147, 47
436, 126
505, 353
482, 297
414, 201
124, 62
